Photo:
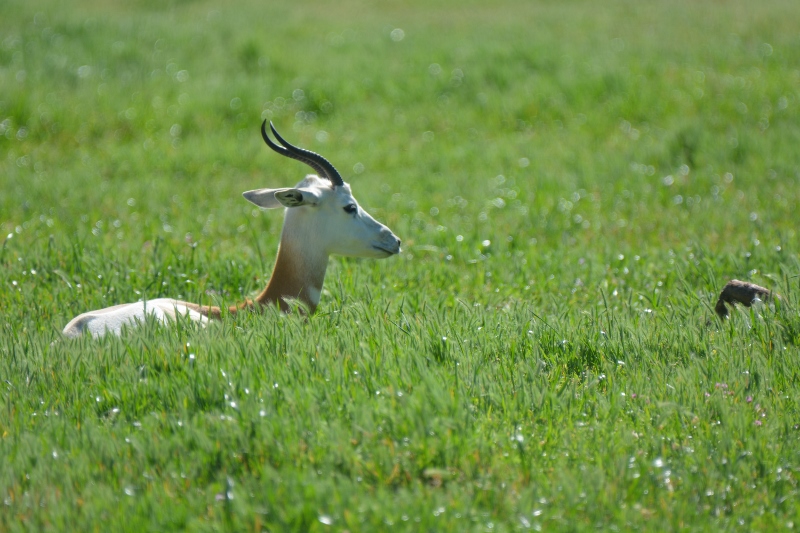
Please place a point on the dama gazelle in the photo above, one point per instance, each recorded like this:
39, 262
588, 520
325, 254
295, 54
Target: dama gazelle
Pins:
322, 218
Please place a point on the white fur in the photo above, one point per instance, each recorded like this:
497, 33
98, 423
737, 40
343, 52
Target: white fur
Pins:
316, 219
112, 319
313, 294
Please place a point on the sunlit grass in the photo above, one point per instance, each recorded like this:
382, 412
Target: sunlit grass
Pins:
573, 183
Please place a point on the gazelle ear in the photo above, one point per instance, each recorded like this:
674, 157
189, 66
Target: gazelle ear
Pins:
263, 198
297, 197
274, 198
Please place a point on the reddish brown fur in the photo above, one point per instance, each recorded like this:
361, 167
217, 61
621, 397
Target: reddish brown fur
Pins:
741, 292
289, 280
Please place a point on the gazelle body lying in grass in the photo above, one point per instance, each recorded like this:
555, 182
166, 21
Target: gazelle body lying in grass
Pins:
322, 218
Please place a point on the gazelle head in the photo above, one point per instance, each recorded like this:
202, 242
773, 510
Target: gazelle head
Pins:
322, 213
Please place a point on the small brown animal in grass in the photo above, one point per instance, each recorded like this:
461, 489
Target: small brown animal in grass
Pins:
740, 292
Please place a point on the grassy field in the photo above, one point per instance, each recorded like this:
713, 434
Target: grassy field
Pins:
574, 182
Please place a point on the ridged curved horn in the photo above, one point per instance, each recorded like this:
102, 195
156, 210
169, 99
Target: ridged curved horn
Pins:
322, 166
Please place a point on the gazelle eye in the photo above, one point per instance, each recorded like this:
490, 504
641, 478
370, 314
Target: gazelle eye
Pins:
350, 209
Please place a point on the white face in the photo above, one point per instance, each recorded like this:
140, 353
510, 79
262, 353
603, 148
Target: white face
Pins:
328, 219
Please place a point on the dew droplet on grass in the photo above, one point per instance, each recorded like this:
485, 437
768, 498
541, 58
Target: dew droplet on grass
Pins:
397, 35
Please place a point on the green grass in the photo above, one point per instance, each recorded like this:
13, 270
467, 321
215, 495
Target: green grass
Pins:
574, 182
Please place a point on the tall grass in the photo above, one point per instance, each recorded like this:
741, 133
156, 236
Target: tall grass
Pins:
574, 183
